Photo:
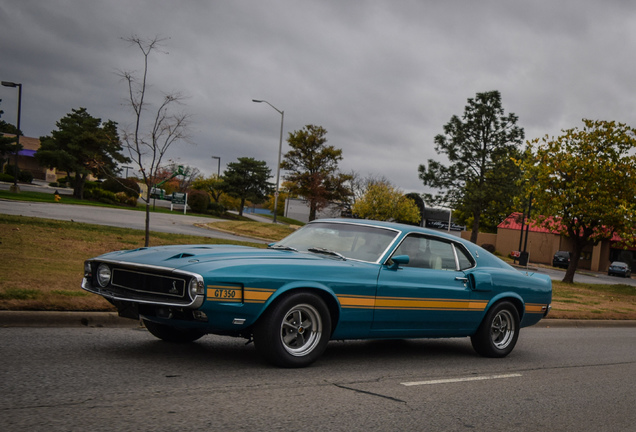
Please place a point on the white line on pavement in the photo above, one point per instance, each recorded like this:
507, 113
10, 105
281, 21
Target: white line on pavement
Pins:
455, 380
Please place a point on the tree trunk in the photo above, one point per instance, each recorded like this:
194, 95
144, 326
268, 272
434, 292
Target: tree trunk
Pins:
78, 186
241, 206
312, 211
475, 232
574, 263
147, 235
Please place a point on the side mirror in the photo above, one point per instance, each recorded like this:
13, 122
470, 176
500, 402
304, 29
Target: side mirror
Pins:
395, 262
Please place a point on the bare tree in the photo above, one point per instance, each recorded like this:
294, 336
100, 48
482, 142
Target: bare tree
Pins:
156, 127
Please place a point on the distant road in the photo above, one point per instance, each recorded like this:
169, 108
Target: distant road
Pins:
176, 223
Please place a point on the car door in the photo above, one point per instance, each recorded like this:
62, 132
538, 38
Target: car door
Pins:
429, 295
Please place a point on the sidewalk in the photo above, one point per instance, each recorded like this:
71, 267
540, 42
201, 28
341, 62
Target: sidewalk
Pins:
112, 320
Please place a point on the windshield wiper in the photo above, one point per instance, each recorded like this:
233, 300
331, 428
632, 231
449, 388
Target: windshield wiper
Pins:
327, 252
281, 247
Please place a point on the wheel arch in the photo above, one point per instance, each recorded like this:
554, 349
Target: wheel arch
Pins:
511, 297
323, 292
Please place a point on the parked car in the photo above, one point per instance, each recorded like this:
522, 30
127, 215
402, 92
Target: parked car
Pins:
333, 279
618, 268
561, 259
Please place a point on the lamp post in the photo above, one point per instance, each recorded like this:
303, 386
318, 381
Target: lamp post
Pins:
218, 171
127, 168
15, 187
280, 148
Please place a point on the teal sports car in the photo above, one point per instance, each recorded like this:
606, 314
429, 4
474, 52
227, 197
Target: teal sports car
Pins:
333, 279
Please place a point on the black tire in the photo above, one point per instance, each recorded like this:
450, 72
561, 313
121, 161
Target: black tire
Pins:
173, 334
294, 331
498, 333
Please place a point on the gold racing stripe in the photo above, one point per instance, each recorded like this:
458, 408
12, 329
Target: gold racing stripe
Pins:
400, 303
225, 293
356, 301
236, 294
257, 295
536, 308
405, 303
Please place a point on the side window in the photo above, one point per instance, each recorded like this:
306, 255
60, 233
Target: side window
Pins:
428, 253
414, 247
442, 255
465, 260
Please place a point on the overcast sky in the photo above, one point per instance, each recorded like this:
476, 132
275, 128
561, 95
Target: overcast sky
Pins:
382, 77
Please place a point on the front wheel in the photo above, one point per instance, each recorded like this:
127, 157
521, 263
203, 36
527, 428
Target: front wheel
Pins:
173, 334
498, 333
295, 331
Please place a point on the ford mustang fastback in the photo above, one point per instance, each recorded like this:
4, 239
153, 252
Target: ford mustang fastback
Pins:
333, 279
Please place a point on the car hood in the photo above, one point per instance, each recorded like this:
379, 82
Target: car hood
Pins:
180, 257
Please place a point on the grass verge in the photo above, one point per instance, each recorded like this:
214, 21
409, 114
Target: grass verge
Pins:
259, 230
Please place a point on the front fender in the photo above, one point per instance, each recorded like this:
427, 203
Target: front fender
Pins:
324, 291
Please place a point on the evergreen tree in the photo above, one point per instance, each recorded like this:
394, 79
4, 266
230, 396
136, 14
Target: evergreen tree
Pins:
481, 177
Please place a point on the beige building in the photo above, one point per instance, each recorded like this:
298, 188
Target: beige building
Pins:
27, 162
543, 243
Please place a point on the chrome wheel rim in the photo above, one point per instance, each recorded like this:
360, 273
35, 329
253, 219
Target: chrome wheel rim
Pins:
502, 329
300, 330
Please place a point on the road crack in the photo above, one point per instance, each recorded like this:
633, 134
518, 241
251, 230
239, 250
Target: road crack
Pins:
370, 393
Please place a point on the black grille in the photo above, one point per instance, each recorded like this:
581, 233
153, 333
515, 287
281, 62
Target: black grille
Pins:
148, 283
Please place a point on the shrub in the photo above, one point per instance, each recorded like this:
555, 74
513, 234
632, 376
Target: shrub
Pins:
101, 196
25, 176
6, 178
198, 201
129, 186
489, 247
91, 185
63, 181
216, 208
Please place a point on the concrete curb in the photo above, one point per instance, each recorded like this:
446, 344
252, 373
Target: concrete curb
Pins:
112, 320
64, 319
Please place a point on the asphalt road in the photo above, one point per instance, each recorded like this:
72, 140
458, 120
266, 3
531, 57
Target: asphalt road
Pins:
175, 222
104, 379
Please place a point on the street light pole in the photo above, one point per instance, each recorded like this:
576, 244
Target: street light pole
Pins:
218, 171
127, 168
15, 187
280, 148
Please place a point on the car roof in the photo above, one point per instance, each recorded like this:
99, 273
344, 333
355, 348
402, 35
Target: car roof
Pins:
392, 225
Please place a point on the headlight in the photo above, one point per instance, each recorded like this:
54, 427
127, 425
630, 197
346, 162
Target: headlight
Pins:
195, 287
103, 275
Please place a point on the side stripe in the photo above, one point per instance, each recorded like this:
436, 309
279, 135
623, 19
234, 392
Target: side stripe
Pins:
257, 295
536, 308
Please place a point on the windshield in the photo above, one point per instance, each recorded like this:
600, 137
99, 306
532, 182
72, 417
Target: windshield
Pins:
351, 241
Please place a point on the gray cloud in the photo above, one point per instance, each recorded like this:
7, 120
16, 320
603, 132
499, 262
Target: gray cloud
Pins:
382, 77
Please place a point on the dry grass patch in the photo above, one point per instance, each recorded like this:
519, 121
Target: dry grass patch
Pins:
42, 261
587, 301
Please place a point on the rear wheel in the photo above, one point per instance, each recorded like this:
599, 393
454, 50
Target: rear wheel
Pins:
295, 331
173, 334
498, 333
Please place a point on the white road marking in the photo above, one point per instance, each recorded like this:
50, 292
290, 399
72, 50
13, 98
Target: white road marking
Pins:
455, 380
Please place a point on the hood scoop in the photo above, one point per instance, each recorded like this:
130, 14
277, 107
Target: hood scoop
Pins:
180, 256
